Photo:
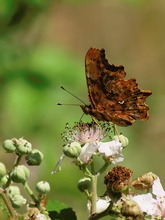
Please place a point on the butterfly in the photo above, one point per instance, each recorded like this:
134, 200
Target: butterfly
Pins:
112, 98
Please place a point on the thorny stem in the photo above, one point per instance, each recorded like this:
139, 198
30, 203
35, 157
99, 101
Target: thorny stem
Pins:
8, 204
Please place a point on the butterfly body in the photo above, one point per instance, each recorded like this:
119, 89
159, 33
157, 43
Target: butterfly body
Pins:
112, 98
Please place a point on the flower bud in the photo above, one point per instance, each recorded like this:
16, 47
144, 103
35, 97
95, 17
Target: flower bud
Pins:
84, 184
43, 187
72, 150
23, 146
17, 201
34, 158
2, 170
12, 191
124, 140
9, 146
4, 180
20, 174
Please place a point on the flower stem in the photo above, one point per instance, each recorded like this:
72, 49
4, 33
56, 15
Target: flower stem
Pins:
93, 198
30, 192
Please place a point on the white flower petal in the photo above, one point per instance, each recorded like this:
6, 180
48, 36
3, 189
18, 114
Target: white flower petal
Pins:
159, 192
101, 205
87, 151
111, 149
157, 188
118, 158
146, 203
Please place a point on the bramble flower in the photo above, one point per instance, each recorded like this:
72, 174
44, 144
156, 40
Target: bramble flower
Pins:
90, 136
111, 151
85, 132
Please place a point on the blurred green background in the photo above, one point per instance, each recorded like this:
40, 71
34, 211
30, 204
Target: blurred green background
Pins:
43, 45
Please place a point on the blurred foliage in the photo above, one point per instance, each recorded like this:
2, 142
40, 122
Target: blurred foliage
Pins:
43, 45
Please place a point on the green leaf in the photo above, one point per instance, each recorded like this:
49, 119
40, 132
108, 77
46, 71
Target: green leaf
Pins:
58, 210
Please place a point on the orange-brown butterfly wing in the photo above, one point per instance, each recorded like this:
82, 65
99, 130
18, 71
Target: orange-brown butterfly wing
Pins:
111, 97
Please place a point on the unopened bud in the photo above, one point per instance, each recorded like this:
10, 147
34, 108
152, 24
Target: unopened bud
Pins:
84, 184
17, 201
9, 146
124, 140
12, 191
23, 146
4, 180
20, 174
43, 187
72, 150
34, 158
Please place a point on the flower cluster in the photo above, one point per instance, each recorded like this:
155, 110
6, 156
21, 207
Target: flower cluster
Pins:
19, 174
84, 142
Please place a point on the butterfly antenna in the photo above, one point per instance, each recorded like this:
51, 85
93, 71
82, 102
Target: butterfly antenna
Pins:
72, 95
